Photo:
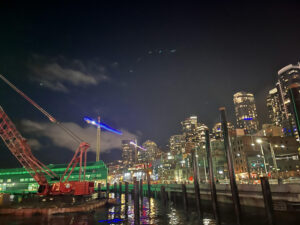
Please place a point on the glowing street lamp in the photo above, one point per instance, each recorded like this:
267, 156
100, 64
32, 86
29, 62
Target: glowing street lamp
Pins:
259, 141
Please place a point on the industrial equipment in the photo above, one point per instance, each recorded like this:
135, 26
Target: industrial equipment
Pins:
21, 150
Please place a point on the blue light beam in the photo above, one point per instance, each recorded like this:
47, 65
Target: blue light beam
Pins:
102, 125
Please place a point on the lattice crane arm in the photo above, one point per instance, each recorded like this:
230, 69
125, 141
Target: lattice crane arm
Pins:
37, 106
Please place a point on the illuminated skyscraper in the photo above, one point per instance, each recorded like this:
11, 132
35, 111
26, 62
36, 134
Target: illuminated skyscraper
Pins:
200, 130
286, 76
275, 111
217, 130
128, 152
245, 112
193, 131
189, 128
151, 150
177, 144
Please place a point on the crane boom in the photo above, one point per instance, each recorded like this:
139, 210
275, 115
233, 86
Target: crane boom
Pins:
48, 115
21, 150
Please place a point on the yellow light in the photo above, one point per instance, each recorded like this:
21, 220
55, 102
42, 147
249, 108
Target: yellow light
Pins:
259, 141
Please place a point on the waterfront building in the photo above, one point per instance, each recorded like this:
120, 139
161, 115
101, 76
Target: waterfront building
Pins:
270, 130
177, 143
217, 132
128, 153
189, 128
219, 159
249, 153
200, 131
18, 180
286, 76
245, 111
151, 151
275, 111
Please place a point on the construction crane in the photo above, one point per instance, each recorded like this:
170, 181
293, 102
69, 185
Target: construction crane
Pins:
21, 150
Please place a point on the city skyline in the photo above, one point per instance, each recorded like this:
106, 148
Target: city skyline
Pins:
182, 61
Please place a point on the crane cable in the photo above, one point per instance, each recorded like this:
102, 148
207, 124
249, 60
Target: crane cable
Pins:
49, 116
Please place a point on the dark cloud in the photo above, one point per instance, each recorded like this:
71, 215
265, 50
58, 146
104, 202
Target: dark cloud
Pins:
57, 73
61, 139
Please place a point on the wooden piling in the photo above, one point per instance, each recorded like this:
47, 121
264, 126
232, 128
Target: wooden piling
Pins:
184, 197
163, 195
141, 189
99, 190
107, 190
228, 151
149, 185
115, 188
197, 188
136, 202
266, 191
212, 180
126, 191
120, 188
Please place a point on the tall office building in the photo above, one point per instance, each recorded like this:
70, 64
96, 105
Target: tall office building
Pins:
286, 76
177, 144
151, 150
128, 152
217, 132
193, 131
275, 112
245, 112
200, 130
189, 127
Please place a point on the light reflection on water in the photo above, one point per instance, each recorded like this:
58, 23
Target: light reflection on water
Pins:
151, 212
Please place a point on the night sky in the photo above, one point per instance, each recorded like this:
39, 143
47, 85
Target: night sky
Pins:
143, 67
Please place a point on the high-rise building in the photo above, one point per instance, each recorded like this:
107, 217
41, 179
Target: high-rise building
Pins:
128, 152
177, 144
189, 128
286, 76
151, 150
193, 131
245, 112
275, 111
217, 132
200, 130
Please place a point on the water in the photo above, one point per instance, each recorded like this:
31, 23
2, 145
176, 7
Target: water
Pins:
152, 212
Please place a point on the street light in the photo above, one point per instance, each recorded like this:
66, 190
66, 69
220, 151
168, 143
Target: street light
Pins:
259, 141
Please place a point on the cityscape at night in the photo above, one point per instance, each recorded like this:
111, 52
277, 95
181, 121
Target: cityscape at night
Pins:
150, 113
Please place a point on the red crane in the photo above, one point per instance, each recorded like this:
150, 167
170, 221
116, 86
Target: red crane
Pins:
21, 150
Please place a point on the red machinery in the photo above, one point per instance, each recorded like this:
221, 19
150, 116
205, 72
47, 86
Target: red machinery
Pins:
21, 150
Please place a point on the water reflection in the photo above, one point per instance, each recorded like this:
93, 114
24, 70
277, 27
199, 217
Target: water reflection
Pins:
151, 212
